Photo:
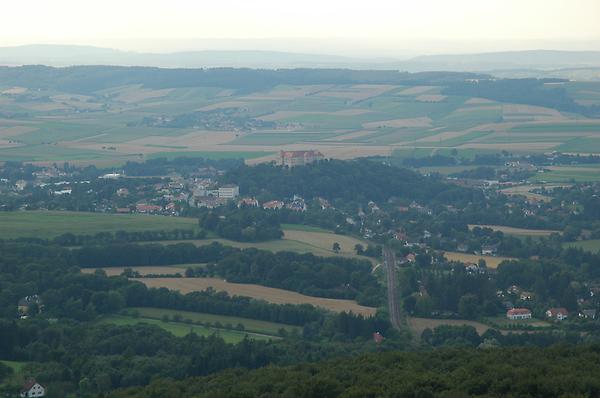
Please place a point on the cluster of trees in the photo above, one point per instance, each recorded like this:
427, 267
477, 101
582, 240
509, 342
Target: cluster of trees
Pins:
74, 353
89, 79
341, 182
449, 290
336, 277
180, 165
103, 238
333, 277
550, 372
246, 224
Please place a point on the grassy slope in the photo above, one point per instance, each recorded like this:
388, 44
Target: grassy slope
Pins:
251, 325
181, 329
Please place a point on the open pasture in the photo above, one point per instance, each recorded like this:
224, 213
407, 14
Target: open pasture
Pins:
181, 329
49, 224
490, 261
250, 325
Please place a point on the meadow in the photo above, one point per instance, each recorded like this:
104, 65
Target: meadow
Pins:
491, 261
181, 329
250, 325
49, 224
296, 238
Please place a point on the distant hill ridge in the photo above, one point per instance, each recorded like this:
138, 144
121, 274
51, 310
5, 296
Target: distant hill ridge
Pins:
68, 55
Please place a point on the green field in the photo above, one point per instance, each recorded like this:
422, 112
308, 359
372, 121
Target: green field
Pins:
582, 144
281, 138
250, 325
181, 329
301, 227
210, 155
592, 245
107, 126
14, 365
49, 224
589, 173
505, 323
558, 127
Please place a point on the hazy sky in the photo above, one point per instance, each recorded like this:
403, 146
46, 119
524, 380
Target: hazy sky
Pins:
119, 23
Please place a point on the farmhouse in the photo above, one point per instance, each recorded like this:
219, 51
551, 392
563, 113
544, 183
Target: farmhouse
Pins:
489, 250
32, 388
300, 158
518, 314
273, 205
557, 313
248, 202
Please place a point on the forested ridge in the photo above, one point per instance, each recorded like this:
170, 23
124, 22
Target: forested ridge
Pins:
347, 181
515, 372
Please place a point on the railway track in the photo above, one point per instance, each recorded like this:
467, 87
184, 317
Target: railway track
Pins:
397, 318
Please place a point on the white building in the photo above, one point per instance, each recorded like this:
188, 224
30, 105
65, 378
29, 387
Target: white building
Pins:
229, 191
33, 389
518, 314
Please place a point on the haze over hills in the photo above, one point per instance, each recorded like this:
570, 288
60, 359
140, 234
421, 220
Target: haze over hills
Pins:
526, 63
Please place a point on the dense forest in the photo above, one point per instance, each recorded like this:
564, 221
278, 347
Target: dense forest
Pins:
516, 372
87, 79
523, 91
355, 181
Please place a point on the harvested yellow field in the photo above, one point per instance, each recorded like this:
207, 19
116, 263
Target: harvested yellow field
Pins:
399, 123
143, 270
522, 146
269, 294
490, 261
324, 240
431, 98
525, 190
478, 101
517, 231
14, 90
224, 105
8, 144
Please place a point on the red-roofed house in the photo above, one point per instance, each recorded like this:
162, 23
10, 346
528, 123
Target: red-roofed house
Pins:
518, 313
32, 388
273, 205
377, 338
557, 313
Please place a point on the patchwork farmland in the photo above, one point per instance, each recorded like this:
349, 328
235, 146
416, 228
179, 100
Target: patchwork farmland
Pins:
342, 121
